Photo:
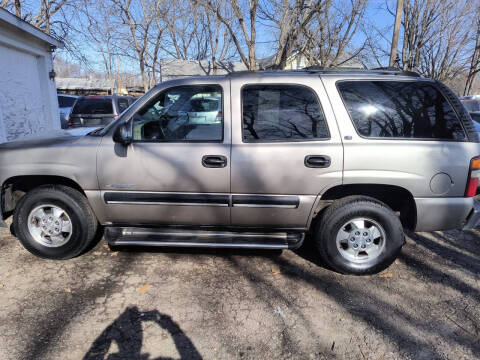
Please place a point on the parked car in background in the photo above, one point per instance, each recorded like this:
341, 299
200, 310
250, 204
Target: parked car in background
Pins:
98, 110
472, 104
65, 105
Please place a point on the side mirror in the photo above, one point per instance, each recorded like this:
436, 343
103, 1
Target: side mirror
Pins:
122, 135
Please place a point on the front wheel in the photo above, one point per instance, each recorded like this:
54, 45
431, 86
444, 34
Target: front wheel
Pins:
54, 221
359, 235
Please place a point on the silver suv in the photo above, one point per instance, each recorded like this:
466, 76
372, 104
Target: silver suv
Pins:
352, 157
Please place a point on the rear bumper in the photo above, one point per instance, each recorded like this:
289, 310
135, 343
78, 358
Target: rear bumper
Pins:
473, 219
434, 214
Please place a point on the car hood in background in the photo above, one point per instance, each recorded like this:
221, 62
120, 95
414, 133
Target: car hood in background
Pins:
58, 138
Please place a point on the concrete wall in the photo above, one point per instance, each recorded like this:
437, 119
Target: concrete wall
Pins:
28, 100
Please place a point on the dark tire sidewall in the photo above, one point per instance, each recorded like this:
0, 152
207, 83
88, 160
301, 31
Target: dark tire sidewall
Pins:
79, 224
394, 238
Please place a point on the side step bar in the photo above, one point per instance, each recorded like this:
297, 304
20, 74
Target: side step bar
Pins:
134, 236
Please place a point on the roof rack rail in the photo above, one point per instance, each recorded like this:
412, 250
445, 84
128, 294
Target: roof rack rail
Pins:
387, 68
377, 71
403, 72
322, 70
314, 68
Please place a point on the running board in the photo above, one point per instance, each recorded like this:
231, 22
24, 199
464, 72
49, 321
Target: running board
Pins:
132, 236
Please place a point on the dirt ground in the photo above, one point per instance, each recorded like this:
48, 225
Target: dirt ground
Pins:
218, 304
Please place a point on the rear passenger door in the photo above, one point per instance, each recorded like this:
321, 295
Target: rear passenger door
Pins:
284, 151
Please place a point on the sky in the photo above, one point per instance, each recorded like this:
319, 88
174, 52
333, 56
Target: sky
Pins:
376, 14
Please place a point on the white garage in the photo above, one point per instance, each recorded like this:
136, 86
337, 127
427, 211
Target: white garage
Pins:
28, 97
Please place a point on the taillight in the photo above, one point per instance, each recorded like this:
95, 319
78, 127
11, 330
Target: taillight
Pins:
219, 116
473, 176
70, 121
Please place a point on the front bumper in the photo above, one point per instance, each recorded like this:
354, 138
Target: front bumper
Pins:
473, 219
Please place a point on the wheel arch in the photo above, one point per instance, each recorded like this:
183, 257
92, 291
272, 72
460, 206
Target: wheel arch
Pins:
15, 187
397, 198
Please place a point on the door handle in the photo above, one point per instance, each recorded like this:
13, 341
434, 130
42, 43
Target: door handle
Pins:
214, 161
317, 161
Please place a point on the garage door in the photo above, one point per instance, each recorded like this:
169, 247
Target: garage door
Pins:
23, 94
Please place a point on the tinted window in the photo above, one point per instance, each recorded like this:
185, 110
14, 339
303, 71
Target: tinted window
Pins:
281, 113
471, 105
400, 110
183, 113
122, 105
93, 106
65, 101
476, 121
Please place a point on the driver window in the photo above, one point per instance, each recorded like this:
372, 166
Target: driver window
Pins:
182, 113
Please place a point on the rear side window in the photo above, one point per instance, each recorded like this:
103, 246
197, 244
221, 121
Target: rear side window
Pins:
282, 113
471, 105
395, 109
93, 106
122, 105
65, 101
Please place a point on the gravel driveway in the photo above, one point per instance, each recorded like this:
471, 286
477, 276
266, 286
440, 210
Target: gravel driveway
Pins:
218, 304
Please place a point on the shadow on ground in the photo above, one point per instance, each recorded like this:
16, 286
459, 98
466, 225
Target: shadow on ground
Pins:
126, 331
416, 321
425, 306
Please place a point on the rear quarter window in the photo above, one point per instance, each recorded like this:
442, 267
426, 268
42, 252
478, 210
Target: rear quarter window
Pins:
65, 101
400, 109
471, 105
93, 106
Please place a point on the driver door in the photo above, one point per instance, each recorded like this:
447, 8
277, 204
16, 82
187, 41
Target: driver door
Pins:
177, 169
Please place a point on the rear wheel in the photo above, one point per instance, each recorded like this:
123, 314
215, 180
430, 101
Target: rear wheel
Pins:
359, 235
54, 222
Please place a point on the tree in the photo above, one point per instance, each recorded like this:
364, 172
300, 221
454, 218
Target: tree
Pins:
186, 33
290, 19
138, 20
474, 68
328, 39
194, 32
12, 5
43, 16
219, 40
243, 15
444, 54
396, 33
100, 28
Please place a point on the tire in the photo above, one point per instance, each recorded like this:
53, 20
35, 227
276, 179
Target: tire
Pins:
76, 212
381, 236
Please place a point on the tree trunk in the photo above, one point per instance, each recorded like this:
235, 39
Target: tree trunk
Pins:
142, 72
18, 8
475, 62
396, 31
